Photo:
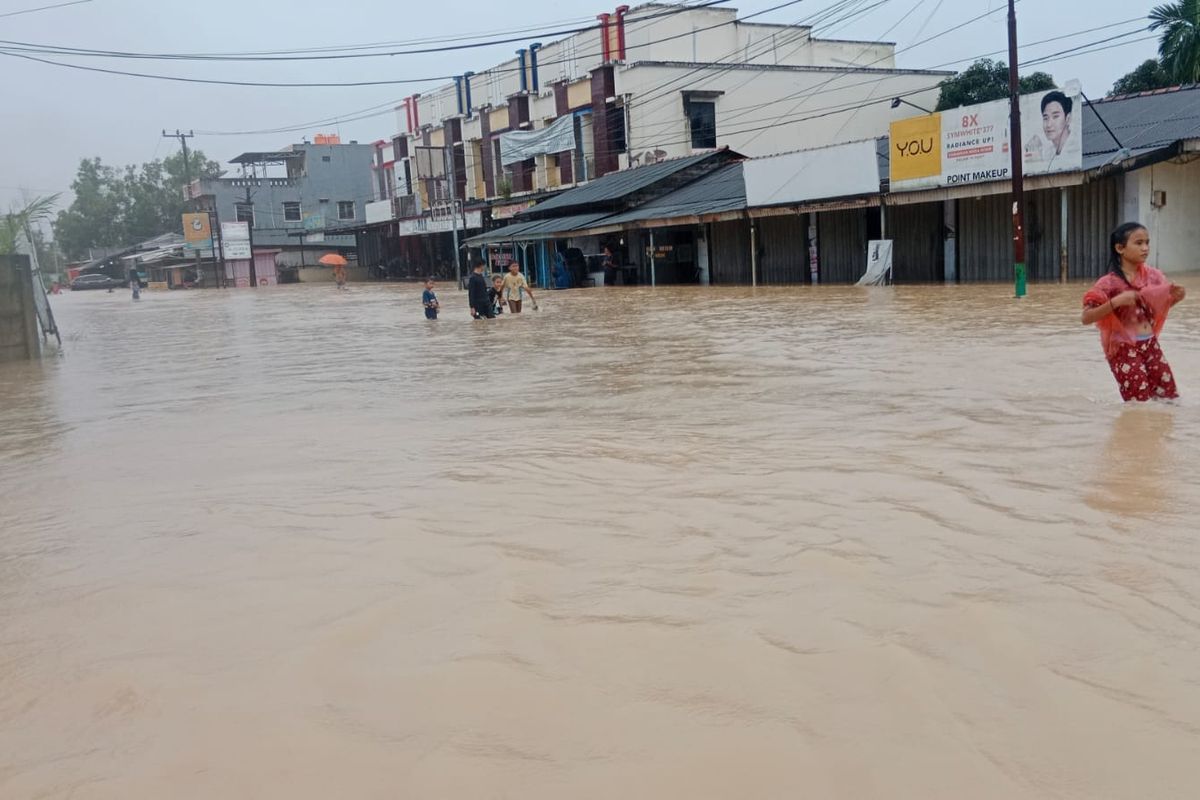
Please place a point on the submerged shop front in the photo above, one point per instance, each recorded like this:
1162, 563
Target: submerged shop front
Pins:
414, 248
651, 218
670, 240
951, 172
811, 215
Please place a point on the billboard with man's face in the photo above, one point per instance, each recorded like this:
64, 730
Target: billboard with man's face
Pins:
971, 144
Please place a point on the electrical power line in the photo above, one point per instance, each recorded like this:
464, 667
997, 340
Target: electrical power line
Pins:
44, 8
1099, 44
848, 108
638, 24
875, 88
26, 54
816, 90
955, 62
665, 89
446, 48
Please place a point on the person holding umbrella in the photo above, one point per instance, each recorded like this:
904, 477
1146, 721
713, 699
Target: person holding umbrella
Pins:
339, 268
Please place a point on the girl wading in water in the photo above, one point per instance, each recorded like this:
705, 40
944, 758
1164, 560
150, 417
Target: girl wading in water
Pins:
1130, 305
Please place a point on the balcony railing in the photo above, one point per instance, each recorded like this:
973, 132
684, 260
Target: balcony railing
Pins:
281, 183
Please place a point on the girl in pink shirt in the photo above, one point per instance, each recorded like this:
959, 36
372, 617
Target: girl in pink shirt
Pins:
1130, 305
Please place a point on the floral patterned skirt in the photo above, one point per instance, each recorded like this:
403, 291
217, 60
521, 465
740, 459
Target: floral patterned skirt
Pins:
1142, 372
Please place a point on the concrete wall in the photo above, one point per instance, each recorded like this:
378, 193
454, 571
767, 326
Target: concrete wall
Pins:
1174, 232
699, 35
752, 102
346, 176
696, 36
752, 114
19, 331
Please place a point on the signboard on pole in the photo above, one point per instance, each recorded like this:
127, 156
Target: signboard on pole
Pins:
197, 232
971, 144
235, 239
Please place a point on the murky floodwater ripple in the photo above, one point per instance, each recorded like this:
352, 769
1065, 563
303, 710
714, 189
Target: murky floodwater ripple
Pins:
645, 543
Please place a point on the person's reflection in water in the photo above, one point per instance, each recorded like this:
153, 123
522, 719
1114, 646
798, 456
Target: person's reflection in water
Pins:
1133, 476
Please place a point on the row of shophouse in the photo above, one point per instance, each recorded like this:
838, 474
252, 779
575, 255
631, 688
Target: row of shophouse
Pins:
809, 216
701, 148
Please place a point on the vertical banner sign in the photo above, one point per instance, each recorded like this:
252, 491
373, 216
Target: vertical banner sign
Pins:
879, 263
197, 234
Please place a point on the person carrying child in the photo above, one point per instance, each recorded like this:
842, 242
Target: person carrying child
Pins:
1130, 305
477, 294
496, 294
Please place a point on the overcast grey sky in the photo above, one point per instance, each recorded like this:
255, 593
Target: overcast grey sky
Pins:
55, 116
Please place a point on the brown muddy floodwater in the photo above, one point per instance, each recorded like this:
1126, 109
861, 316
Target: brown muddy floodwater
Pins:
676, 543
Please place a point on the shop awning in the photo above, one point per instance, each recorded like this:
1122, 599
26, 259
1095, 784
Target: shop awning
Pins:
719, 192
537, 229
617, 188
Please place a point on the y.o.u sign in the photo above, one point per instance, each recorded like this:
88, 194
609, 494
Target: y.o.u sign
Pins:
916, 148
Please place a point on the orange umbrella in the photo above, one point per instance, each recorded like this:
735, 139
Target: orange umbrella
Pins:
333, 260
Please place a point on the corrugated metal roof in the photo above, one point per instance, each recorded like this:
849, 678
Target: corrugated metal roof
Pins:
1142, 122
617, 185
262, 157
537, 229
715, 193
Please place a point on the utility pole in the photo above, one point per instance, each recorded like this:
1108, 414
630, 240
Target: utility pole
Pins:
187, 164
1016, 150
214, 224
250, 231
450, 179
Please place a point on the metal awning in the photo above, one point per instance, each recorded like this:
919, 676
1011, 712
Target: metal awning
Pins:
716, 194
537, 230
615, 187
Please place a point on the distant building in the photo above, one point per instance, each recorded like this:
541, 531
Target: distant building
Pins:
294, 195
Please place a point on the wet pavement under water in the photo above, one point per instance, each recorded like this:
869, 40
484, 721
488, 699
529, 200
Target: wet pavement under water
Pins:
673, 543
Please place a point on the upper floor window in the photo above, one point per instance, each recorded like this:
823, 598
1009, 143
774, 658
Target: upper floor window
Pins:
244, 212
345, 209
702, 122
291, 212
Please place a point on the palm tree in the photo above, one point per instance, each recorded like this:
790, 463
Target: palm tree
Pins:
22, 218
1179, 46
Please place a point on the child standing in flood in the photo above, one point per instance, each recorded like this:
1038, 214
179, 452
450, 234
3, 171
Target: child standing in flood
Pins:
1130, 305
429, 300
515, 289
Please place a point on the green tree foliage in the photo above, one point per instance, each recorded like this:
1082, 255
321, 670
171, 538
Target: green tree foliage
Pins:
28, 218
1147, 77
984, 81
1179, 44
115, 207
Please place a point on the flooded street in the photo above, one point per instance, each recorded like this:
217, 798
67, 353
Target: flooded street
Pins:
674, 543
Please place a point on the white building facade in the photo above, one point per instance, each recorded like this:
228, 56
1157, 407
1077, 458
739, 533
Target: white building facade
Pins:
643, 85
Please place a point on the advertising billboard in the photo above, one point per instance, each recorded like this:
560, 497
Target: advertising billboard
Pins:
971, 144
197, 231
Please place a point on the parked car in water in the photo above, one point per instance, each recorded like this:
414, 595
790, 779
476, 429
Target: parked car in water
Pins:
94, 282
